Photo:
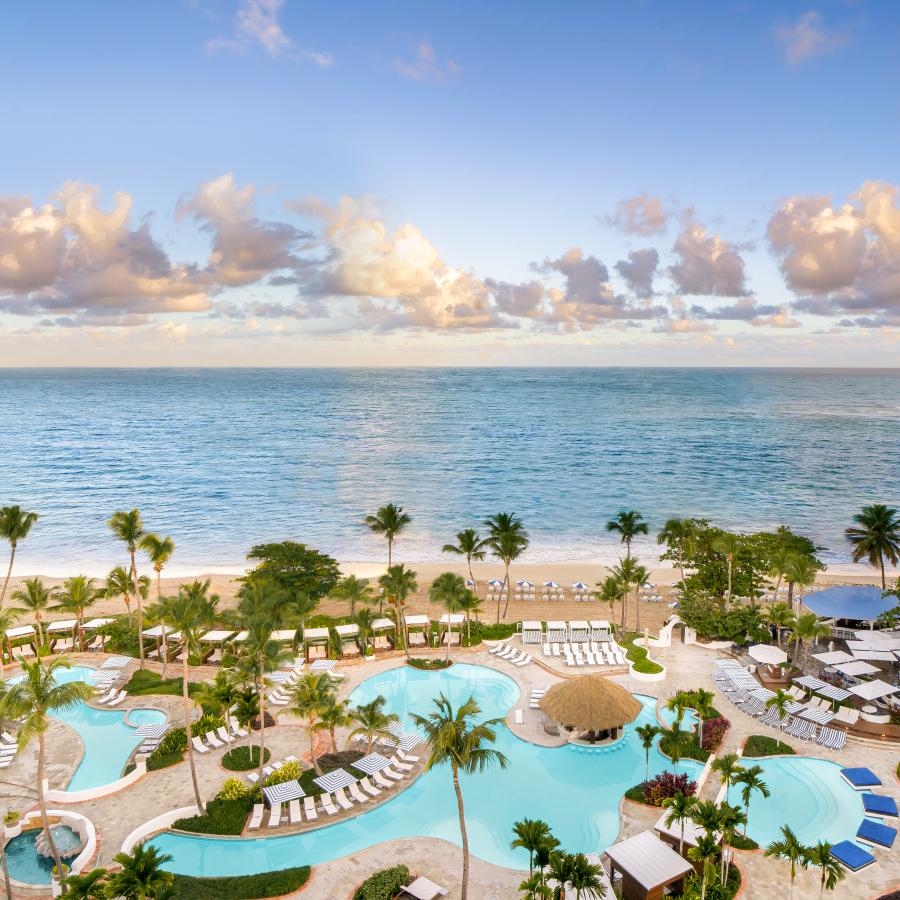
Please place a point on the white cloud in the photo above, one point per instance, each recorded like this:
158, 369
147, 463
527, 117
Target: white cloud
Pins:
643, 214
808, 37
424, 65
707, 265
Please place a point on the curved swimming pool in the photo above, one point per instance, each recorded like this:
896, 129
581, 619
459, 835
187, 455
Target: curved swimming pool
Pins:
576, 790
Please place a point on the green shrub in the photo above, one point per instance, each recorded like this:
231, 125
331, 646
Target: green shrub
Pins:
222, 817
286, 772
144, 682
482, 631
120, 637
418, 662
638, 655
206, 723
158, 760
241, 887
173, 741
243, 759
763, 745
690, 747
383, 885
742, 842
233, 789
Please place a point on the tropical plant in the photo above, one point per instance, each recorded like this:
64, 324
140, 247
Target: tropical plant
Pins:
295, 568
876, 537
333, 715
780, 701
791, 850
728, 545
310, 698
799, 572
142, 876
559, 871
78, 594
372, 722
90, 885
611, 591
647, 733
471, 545
780, 616
159, 551
749, 779
680, 808
727, 767
453, 737
629, 524
33, 700
120, 584
364, 620
586, 878
33, 597
704, 853
678, 704
830, 870
702, 702
530, 835
355, 591
533, 888
398, 583
676, 740
507, 540
809, 630
15, 524
8, 619
128, 527
390, 520
730, 819
630, 573
449, 590
470, 604
220, 695
680, 537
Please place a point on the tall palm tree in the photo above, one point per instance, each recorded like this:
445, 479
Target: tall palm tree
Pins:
372, 722
219, 695
629, 524
809, 631
455, 738
730, 819
728, 767
530, 835
678, 704
389, 520
780, 616
749, 779
559, 870
78, 594
702, 701
159, 551
586, 878
142, 876
33, 597
704, 853
398, 584
680, 807
831, 871
128, 527
647, 733
680, 536
190, 611
778, 564
470, 604
507, 540
676, 738
791, 850
8, 618
333, 715
363, 620
780, 701
449, 590
354, 590
611, 591
33, 700
87, 886
631, 574
120, 584
15, 524
728, 545
469, 544
309, 698
876, 536
799, 572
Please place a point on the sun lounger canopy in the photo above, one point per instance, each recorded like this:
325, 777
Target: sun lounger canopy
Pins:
861, 777
872, 690
832, 658
97, 623
857, 667
281, 793
284, 635
19, 631
766, 653
62, 625
372, 763
822, 687
849, 601
599, 623
215, 637
851, 856
157, 631
382, 625
417, 621
452, 619
347, 631
315, 634
334, 780
648, 860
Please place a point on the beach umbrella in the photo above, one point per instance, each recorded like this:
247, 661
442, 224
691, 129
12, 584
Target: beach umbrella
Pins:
856, 668
286, 790
495, 582
523, 583
151, 730
334, 780
872, 690
580, 586
551, 584
766, 653
470, 583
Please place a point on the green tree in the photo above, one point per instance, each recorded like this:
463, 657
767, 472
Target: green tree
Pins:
533, 888
372, 722
78, 594
398, 584
220, 695
749, 779
679, 536
333, 715
310, 697
454, 738
680, 808
612, 591
449, 591
33, 597
678, 703
469, 544
142, 876
530, 835
730, 819
470, 604
876, 537
586, 878
809, 630
32, 701
628, 524
702, 702
295, 568
728, 545
791, 850
676, 740
355, 591
507, 540
390, 520
128, 527
705, 853
159, 551
90, 885
727, 767
363, 620
780, 701
831, 872
631, 574
799, 572
780, 616
15, 524
647, 733
120, 584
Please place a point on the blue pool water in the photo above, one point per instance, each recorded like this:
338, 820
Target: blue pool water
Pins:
108, 741
576, 790
29, 866
807, 794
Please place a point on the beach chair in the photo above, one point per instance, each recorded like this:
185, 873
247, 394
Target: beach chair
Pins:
406, 757
252, 777
524, 661
7, 738
545, 649
357, 794
589, 656
122, 695
851, 856
198, 745
327, 805
237, 731
275, 815
106, 697
212, 740
555, 649
392, 774
277, 701
381, 781
224, 736
309, 807
402, 766
368, 787
343, 800
294, 812
257, 817
570, 659
847, 715
496, 648
517, 717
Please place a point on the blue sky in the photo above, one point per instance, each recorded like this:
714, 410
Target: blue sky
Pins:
498, 160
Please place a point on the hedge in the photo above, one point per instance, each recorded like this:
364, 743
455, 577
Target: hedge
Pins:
743, 842
222, 817
763, 745
242, 759
482, 631
242, 887
144, 682
638, 655
418, 662
383, 885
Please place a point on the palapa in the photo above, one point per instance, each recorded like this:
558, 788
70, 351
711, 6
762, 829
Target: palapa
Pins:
590, 703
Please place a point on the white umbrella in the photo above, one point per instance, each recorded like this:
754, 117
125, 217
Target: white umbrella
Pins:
872, 690
834, 657
470, 583
766, 653
580, 586
857, 667
495, 582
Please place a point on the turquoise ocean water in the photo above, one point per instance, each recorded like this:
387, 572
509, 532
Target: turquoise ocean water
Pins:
221, 459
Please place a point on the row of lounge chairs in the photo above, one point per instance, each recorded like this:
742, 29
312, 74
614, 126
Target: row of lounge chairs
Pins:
9, 747
873, 832
588, 653
113, 697
219, 738
511, 654
537, 694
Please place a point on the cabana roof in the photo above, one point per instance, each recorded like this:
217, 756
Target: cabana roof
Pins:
599, 623
590, 703
62, 625
832, 658
350, 630
855, 668
283, 635
315, 634
872, 690
648, 860
877, 655
692, 831
417, 621
849, 601
97, 623
240, 637
579, 625
19, 631
531, 626
556, 626
215, 637
382, 625
158, 631
452, 619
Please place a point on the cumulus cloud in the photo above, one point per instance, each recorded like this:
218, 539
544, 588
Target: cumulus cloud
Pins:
424, 65
523, 300
707, 265
807, 37
643, 214
746, 309
638, 271
841, 259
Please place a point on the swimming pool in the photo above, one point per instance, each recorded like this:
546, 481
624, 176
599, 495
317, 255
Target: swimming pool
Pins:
576, 790
108, 740
29, 866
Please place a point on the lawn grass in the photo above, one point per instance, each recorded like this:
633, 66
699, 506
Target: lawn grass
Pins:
242, 887
144, 682
763, 745
222, 817
243, 759
638, 655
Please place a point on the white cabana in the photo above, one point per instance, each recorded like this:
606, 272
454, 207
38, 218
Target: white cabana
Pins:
379, 637
856, 668
767, 654
556, 632
347, 635
62, 625
215, 637
579, 631
417, 630
446, 625
874, 643
650, 862
532, 633
157, 631
96, 623
240, 637
599, 629
878, 640
833, 658
315, 638
284, 635
872, 690
19, 631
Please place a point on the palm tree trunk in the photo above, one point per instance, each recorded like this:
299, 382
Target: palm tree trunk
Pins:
505, 605
186, 703
628, 548
681, 840
6, 883
314, 758
637, 609
40, 631
880, 563
140, 608
624, 604
12, 556
42, 802
390, 541
260, 689
165, 637
464, 833
729, 579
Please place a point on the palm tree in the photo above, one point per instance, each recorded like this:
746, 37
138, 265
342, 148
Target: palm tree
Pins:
87, 886
469, 544
629, 524
647, 733
559, 870
779, 616
128, 527
875, 536
507, 540
809, 630
630, 573
15, 523
586, 878
702, 701
611, 591
120, 584
728, 545
470, 604
750, 781
142, 876
8, 618
730, 819
799, 571
678, 703
831, 870
363, 620
680, 536
676, 739
77, 595
372, 722
35, 598
728, 768
159, 551
680, 807
449, 590
390, 520
533, 888
333, 715
219, 695
780, 701
33, 700
790, 849
189, 612
310, 697
530, 835
778, 565
704, 852
354, 590
453, 737
398, 584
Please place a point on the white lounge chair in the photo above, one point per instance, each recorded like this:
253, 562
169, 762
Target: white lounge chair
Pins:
381, 781
198, 745
406, 757
309, 807
237, 731
517, 717
257, 817
106, 697
357, 794
523, 660
7, 738
117, 700
368, 787
294, 811
392, 774
224, 736
401, 766
275, 815
253, 777
344, 802
327, 805
213, 741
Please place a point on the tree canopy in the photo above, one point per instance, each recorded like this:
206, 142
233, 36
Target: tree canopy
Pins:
295, 567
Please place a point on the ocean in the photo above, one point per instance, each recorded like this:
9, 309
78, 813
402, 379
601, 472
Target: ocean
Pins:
222, 459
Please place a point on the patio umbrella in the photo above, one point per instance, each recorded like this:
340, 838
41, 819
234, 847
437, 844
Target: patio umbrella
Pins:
872, 690
524, 583
551, 584
495, 582
766, 653
580, 586
857, 667
372, 763
470, 583
287, 790
334, 780
832, 658
151, 731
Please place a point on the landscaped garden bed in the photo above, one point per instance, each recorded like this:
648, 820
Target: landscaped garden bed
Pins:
762, 745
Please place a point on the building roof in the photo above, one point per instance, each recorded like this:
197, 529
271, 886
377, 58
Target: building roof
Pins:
849, 601
692, 831
418, 619
648, 860
381, 624
347, 630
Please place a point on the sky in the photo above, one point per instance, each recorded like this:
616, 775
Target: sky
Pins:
276, 182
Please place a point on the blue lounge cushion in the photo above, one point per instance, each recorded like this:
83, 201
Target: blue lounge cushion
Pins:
850, 855
877, 833
861, 777
879, 804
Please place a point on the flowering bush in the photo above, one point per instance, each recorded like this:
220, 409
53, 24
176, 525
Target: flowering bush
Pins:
667, 784
233, 789
714, 733
287, 772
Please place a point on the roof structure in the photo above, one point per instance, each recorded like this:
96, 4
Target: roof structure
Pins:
648, 860
849, 601
590, 703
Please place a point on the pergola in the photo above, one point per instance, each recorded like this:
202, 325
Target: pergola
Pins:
62, 626
348, 636
417, 630
599, 629
164, 635
649, 868
532, 633
315, 638
380, 639
447, 623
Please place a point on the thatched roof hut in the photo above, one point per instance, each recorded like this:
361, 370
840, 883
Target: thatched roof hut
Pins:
590, 703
